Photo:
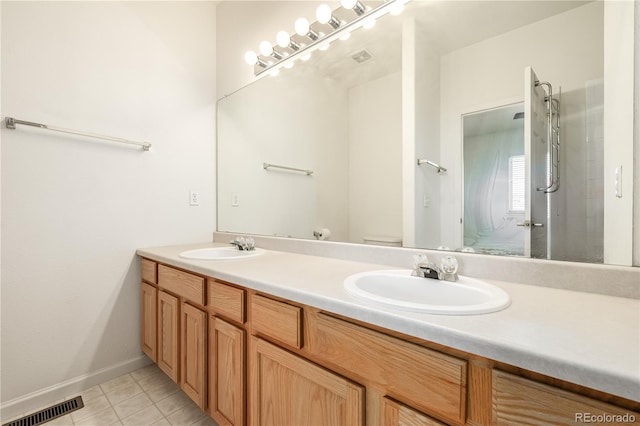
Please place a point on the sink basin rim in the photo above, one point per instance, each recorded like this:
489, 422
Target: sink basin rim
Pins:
498, 298
219, 253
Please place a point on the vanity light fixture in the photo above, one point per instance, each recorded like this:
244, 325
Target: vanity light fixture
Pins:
252, 58
324, 15
291, 49
357, 7
266, 49
283, 39
303, 28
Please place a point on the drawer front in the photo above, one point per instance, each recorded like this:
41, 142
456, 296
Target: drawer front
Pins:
149, 271
183, 284
226, 300
278, 320
423, 378
519, 401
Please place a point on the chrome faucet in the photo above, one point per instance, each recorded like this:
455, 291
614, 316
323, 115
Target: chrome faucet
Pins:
447, 271
243, 244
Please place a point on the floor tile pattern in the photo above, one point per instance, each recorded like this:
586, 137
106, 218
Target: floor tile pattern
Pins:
145, 397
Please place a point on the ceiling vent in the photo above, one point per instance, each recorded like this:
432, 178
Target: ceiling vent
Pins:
362, 56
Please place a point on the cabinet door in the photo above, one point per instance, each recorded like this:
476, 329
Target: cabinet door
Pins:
396, 414
226, 372
289, 390
194, 354
149, 300
168, 342
518, 401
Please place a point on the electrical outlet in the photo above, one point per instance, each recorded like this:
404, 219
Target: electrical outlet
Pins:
235, 200
194, 198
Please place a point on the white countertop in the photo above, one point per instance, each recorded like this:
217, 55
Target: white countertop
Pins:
588, 339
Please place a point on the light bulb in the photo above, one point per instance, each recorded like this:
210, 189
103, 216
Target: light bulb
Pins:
302, 27
274, 73
323, 14
266, 48
369, 24
355, 5
323, 46
289, 65
306, 56
283, 39
346, 36
250, 57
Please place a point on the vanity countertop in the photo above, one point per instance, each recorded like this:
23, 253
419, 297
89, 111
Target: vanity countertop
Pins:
588, 339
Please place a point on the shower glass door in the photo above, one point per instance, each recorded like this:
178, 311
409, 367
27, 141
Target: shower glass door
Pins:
494, 180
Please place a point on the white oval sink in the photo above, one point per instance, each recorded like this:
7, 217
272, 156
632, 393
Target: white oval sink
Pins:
399, 289
220, 253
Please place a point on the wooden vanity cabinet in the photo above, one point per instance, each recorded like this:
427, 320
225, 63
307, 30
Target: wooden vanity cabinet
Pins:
149, 330
182, 331
193, 367
519, 401
148, 309
286, 389
396, 414
227, 377
260, 360
168, 335
227, 353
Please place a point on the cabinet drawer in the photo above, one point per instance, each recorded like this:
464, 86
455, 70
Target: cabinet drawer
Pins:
423, 378
519, 401
149, 271
396, 414
276, 319
183, 284
226, 300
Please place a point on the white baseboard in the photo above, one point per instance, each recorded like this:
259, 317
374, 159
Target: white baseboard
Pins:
49, 395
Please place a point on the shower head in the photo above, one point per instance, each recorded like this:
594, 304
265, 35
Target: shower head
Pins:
518, 115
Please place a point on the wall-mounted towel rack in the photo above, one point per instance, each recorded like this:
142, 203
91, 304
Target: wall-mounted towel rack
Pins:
432, 164
11, 122
267, 166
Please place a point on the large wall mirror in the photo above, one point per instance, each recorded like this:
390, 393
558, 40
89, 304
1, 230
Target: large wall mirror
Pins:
474, 126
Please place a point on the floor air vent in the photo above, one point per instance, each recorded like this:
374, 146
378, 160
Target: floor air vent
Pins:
49, 414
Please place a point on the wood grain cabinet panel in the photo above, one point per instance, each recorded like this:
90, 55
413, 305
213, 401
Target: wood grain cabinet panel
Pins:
289, 390
226, 372
396, 414
278, 320
149, 271
428, 380
194, 354
183, 284
168, 335
149, 301
226, 300
518, 401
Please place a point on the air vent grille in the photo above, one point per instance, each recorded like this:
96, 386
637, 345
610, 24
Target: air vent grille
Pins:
48, 414
362, 56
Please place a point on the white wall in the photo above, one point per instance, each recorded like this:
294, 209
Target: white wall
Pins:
490, 73
75, 210
375, 159
298, 121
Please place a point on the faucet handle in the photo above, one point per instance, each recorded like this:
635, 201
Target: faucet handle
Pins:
420, 259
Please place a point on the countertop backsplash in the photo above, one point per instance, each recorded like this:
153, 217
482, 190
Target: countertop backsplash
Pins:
611, 280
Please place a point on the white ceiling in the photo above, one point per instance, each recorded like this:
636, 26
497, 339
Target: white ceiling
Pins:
446, 25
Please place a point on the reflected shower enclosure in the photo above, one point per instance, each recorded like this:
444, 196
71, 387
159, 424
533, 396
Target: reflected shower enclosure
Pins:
494, 180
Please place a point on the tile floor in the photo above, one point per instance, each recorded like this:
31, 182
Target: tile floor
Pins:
144, 397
